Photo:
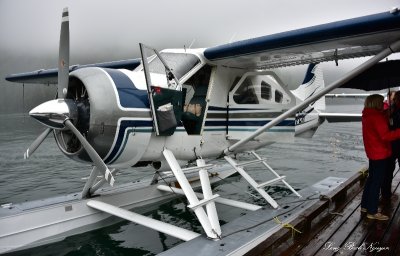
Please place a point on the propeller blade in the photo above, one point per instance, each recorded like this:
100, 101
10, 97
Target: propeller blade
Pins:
97, 161
36, 143
63, 56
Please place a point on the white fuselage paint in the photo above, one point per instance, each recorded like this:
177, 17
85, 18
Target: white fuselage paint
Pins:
134, 136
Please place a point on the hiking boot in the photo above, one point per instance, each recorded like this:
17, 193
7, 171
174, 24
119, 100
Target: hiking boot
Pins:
377, 216
389, 198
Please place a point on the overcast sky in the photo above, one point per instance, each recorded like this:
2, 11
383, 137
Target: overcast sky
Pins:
111, 30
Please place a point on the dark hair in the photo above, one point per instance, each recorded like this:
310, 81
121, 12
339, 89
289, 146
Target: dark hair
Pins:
374, 101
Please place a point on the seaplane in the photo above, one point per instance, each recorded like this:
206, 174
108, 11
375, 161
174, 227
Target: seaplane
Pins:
177, 110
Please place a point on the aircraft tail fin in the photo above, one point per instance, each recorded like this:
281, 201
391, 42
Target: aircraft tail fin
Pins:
308, 120
312, 83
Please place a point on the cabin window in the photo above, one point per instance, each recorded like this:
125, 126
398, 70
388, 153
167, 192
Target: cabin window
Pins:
265, 90
234, 82
180, 63
278, 96
246, 93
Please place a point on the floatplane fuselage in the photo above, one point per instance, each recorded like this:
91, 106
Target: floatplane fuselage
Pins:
216, 107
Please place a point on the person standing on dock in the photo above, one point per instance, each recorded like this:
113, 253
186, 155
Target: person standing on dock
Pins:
377, 139
386, 189
387, 104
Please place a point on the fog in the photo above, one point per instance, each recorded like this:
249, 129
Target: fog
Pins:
111, 30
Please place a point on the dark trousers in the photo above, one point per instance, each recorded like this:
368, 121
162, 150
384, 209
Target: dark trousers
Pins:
386, 189
376, 172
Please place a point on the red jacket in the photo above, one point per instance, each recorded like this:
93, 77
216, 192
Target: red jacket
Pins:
385, 105
376, 134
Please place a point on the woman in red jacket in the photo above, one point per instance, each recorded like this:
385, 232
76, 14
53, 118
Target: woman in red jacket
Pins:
377, 138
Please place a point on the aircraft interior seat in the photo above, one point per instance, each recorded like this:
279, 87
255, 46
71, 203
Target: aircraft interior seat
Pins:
192, 117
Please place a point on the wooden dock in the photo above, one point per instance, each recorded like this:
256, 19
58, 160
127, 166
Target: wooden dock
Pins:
336, 226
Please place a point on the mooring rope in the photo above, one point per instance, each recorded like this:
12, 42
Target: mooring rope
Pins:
364, 172
288, 226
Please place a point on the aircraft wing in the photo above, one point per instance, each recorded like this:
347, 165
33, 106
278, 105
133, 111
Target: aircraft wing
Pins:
352, 38
49, 76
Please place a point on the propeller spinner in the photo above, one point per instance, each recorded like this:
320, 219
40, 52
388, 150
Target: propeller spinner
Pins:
54, 113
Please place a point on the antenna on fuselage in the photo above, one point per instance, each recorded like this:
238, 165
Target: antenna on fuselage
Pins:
232, 37
191, 44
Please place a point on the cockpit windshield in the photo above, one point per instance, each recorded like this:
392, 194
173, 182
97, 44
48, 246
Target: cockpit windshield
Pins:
180, 63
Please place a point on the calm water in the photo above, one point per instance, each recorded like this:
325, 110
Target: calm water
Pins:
335, 150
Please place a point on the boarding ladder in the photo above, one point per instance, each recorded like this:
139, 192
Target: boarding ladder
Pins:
259, 187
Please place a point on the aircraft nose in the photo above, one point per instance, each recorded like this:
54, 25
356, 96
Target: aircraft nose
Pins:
54, 113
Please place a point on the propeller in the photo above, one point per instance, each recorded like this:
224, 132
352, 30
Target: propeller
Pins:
62, 113
36, 143
63, 56
97, 161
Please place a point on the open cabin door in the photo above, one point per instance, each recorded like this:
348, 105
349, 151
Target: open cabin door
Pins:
166, 104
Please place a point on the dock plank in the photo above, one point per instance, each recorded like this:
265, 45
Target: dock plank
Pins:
338, 242
326, 232
282, 242
322, 233
352, 233
383, 234
392, 237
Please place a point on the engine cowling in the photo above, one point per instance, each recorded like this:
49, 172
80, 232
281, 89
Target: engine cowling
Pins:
111, 109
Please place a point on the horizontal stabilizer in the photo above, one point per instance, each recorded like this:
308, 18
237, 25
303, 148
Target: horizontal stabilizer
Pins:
341, 117
348, 95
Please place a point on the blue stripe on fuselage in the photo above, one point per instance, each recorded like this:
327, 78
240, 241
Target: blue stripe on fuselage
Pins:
125, 124
129, 95
245, 123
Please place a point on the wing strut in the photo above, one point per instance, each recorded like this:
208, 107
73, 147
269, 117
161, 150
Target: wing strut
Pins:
394, 47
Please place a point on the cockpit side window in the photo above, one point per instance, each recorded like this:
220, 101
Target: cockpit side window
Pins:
278, 96
180, 63
265, 90
246, 93
234, 82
